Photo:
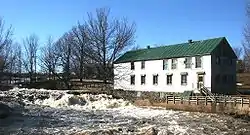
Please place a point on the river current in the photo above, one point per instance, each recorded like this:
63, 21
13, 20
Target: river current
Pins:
40, 111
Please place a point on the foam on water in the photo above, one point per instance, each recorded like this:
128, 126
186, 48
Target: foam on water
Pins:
83, 101
57, 112
61, 99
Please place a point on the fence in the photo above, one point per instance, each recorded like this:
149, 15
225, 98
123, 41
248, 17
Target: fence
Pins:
205, 100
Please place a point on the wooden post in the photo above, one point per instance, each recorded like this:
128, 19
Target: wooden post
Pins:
181, 100
249, 102
205, 100
242, 102
235, 101
225, 102
197, 100
167, 99
174, 99
215, 101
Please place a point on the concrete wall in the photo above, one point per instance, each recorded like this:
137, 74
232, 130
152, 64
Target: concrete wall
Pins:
122, 75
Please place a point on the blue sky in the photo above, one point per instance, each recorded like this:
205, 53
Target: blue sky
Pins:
158, 21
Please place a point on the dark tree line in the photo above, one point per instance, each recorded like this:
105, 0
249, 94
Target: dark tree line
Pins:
86, 51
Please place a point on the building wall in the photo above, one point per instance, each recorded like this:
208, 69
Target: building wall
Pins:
122, 74
224, 86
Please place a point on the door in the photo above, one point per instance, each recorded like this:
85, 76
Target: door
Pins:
200, 82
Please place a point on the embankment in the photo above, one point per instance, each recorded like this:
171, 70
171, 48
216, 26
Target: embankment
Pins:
238, 106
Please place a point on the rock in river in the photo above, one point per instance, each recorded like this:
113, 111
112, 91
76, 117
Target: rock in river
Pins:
5, 111
149, 131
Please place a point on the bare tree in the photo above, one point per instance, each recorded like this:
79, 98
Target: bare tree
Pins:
30, 60
109, 38
80, 43
13, 61
5, 45
49, 58
64, 54
238, 51
19, 63
246, 40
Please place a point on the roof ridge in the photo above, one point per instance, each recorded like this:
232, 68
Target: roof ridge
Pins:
174, 44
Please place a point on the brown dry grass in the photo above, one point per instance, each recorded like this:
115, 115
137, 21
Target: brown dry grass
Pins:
244, 78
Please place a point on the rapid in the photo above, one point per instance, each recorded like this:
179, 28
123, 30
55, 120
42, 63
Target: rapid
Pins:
40, 111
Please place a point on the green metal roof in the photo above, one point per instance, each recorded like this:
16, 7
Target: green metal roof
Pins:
201, 47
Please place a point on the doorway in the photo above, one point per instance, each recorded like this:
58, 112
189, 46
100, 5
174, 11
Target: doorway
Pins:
200, 81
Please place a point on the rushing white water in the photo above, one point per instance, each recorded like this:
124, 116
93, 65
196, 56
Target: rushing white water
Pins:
57, 112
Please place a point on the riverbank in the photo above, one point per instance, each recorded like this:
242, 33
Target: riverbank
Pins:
231, 105
237, 107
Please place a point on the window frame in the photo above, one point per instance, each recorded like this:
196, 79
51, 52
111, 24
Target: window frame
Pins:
169, 79
196, 61
132, 65
184, 79
155, 79
165, 64
142, 64
132, 79
188, 62
143, 77
174, 63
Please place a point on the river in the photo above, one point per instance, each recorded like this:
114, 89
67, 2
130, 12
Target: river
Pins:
40, 111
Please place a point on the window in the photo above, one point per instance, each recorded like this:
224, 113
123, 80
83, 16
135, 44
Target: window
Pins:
169, 79
230, 61
197, 62
230, 78
165, 64
224, 78
143, 79
132, 65
224, 61
132, 79
218, 60
174, 63
217, 78
155, 79
184, 79
143, 65
188, 62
